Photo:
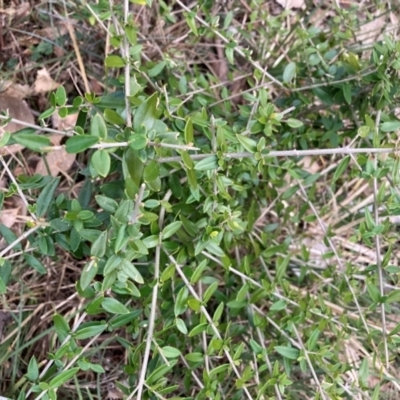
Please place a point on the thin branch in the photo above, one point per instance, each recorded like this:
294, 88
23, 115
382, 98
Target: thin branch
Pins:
378, 250
290, 153
37, 127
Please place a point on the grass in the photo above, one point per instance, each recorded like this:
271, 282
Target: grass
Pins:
268, 265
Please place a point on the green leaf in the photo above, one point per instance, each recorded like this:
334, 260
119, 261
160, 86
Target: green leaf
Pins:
151, 171
341, 168
61, 96
192, 24
180, 302
31, 141
374, 293
61, 327
106, 203
157, 69
289, 352
46, 196
394, 295
138, 141
195, 357
79, 143
88, 273
98, 127
170, 352
187, 159
35, 264
346, 88
113, 117
114, 306
294, 123
198, 329
131, 271
114, 61
5, 138
390, 126
208, 163
3, 287
289, 72
170, 229
249, 144
101, 162
130, 32
146, 114
63, 377
98, 248
189, 138
33, 370
159, 373
86, 332
180, 324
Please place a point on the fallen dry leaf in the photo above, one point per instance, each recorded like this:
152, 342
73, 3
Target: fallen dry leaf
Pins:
64, 124
44, 83
17, 109
15, 90
372, 30
17, 12
289, 4
59, 161
53, 32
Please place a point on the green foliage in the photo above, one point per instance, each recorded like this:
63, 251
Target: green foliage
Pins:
207, 299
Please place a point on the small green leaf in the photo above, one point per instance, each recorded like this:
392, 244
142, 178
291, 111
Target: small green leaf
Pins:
33, 370
341, 168
114, 306
198, 329
113, 117
289, 72
170, 352
79, 143
61, 96
294, 123
131, 271
157, 69
146, 114
159, 373
98, 127
249, 144
86, 332
31, 141
192, 24
289, 352
208, 163
390, 126
374, 293
101, 162
114, 61
180, 324
5, 138
61, 327
394, 295
88, 273
189, 138
138, 141
35, 264
3, 287
170, 229
180, 302
98, 248
46, 197
151, 171
63, 377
